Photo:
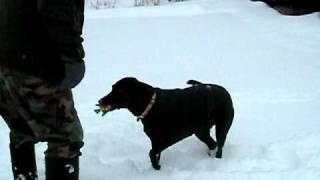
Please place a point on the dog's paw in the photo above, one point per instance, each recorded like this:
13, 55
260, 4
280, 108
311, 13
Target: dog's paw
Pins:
155, 159
211, 153
156, 166
219, 154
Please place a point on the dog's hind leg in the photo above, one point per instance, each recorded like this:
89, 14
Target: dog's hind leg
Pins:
204, 136
222, 129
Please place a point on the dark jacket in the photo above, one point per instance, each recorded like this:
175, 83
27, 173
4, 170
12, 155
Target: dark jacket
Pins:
294, 7
42, 37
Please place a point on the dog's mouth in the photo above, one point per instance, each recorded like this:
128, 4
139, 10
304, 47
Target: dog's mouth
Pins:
104, 109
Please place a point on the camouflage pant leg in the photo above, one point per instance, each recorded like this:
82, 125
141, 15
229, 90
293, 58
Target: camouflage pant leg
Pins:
36, 111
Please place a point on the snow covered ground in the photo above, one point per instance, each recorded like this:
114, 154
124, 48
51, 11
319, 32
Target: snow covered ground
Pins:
268, 62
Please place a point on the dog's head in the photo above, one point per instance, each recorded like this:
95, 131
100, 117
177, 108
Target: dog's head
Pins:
124, 93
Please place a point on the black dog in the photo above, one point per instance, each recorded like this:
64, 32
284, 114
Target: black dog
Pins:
169, 116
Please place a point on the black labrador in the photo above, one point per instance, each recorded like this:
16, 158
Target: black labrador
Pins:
169, 116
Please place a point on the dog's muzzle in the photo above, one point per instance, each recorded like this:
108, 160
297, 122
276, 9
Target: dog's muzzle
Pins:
104, 109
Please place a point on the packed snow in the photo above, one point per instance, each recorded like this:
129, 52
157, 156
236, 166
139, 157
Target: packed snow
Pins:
268, 62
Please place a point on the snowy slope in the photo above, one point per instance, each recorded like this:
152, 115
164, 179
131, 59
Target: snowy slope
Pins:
268, 62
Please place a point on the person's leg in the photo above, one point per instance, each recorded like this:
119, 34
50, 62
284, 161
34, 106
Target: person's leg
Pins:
22, 150
62, 155
66, 168
22, 138
23, 161
44, 114
56, 122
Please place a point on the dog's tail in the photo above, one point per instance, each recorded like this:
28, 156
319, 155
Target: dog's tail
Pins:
194, 82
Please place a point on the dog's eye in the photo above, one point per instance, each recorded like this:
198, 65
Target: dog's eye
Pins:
119, 90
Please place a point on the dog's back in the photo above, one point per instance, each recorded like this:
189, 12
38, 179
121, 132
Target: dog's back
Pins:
200, 102
219, 92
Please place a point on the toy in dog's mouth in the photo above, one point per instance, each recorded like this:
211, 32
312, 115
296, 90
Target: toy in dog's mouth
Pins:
104, 109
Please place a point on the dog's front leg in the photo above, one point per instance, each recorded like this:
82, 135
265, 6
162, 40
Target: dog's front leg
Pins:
155, 159
158, 145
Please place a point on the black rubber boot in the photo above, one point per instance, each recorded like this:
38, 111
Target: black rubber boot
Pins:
62, 169
23, 162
